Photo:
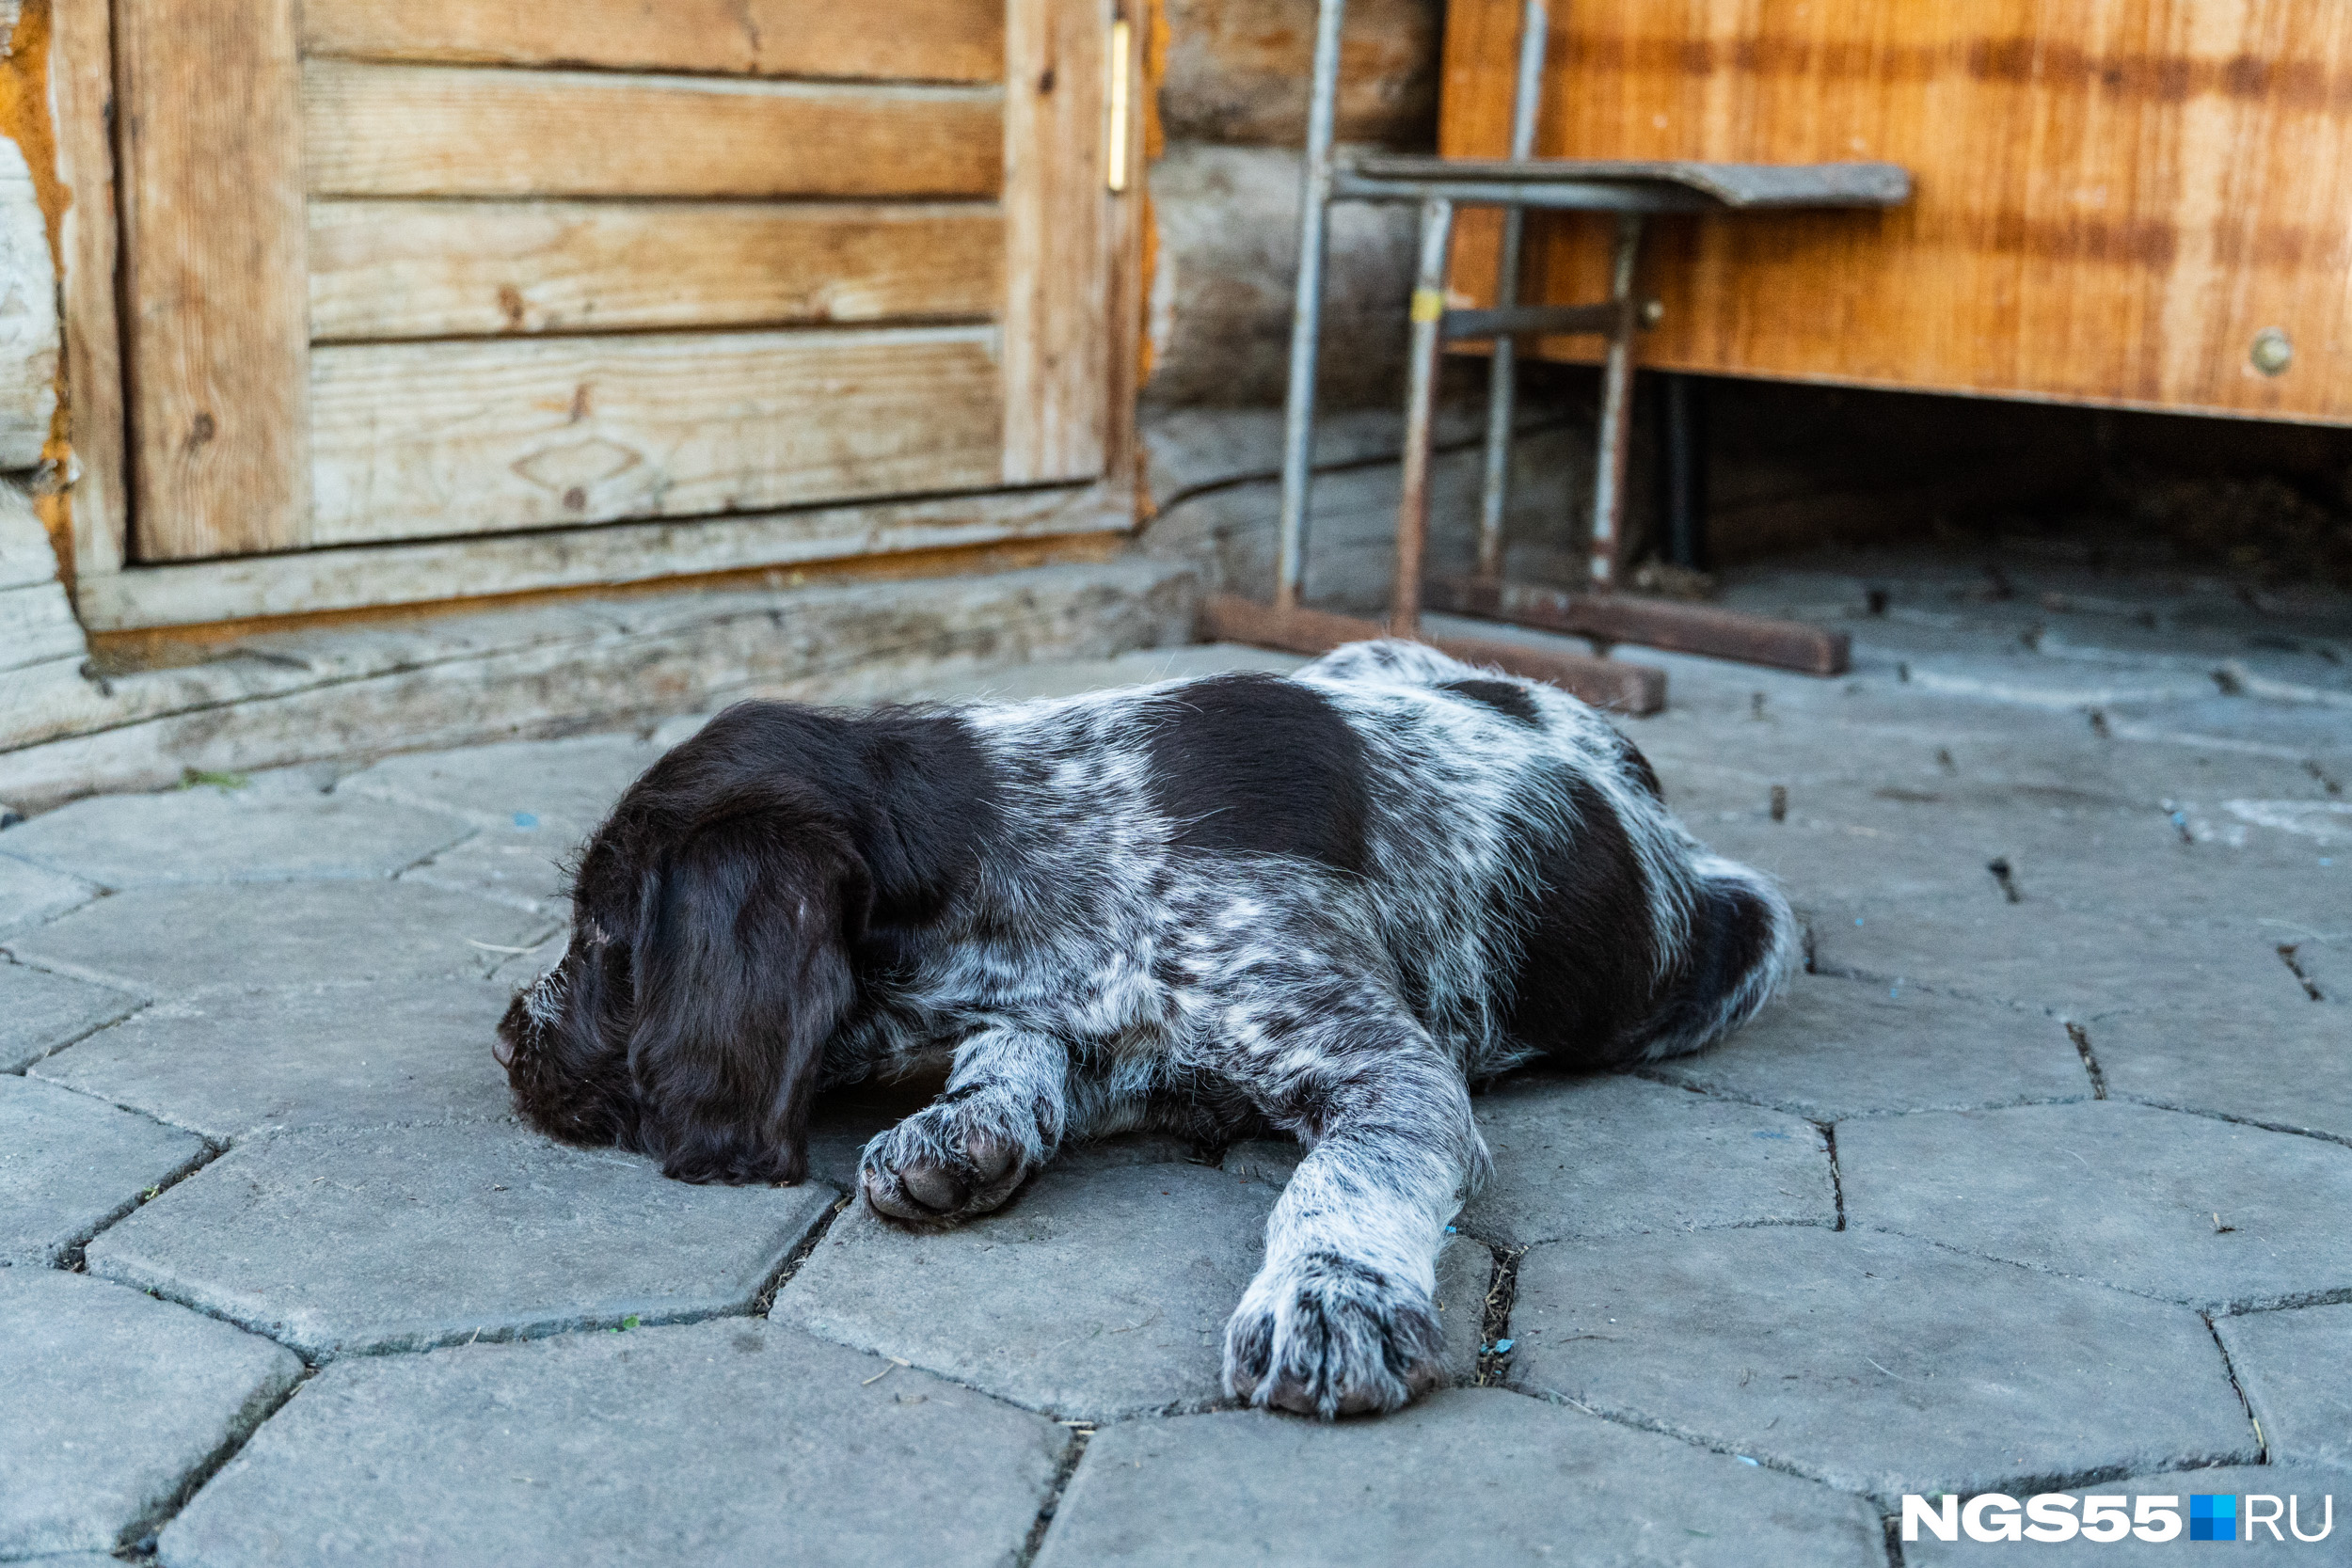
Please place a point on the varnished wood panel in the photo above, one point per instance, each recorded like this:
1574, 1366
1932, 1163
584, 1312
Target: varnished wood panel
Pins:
1060, 240
942, 40
447, 269
418, 440
214, 281
2113, 197
397, 130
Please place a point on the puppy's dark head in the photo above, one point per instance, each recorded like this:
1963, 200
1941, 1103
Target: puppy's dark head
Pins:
712, 916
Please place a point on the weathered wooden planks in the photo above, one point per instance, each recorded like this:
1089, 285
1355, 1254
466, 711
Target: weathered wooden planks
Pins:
396, 130
214, 281
443, 438
2114, 197
1058, 242
942, 40
81, 65
443, 269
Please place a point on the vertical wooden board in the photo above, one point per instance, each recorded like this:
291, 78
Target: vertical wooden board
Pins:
81, 87
446, 269
1059, 240
420, 440
2113, 197
215, 279
935, 40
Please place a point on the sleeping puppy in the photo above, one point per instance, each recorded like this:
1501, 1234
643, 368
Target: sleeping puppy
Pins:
1322, 904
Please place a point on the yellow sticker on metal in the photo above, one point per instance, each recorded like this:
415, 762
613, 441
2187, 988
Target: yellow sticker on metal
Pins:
1428, 305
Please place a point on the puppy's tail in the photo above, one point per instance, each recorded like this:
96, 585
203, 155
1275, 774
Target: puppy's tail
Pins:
1743, 945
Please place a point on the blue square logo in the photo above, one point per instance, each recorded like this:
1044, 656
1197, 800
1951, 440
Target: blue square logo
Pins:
2213, 1517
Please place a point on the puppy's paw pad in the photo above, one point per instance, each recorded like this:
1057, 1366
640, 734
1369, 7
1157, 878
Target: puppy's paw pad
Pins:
1329, 1337
941, 1165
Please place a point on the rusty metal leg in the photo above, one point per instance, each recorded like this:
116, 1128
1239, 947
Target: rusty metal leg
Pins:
1494, 498
1314, 202
1421, 404
1616, 410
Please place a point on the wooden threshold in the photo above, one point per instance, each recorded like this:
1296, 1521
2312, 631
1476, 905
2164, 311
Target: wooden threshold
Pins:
614, 554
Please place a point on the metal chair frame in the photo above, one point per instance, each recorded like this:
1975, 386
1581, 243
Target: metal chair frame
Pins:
1633, 191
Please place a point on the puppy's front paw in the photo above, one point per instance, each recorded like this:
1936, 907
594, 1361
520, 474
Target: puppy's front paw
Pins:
949, 1162
1324, 1336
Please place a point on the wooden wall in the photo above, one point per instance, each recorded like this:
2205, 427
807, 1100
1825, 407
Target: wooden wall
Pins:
2114, 197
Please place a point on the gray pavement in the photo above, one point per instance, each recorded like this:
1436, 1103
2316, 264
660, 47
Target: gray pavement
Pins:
2037, 1181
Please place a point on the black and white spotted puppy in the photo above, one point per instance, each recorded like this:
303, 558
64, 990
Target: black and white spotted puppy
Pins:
1322, 904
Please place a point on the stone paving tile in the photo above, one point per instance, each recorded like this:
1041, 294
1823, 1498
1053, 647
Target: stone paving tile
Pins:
29, 895
1834, 1048
69, 1164
40, 1012
1101, 1290
2310, 1489
335, 1241
524, 870
176, 938
1616, 1156
109, 1403
2291, 1068
563, 788
228, 1064
2179, 1207
2036, 954
222, 835
1471, 1476
2295, 1368
1092, 1294
723, 1443
1878, 1364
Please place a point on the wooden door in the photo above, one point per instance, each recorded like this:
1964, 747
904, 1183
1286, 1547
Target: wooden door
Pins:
446, 268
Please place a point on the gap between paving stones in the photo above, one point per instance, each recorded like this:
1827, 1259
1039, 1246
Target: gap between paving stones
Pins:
2228, 1370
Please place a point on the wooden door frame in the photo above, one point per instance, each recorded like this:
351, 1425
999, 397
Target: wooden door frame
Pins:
112, 593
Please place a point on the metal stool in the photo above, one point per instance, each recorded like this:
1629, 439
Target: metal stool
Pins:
1633, 191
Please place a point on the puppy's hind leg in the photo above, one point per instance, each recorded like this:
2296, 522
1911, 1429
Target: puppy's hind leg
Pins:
1342, 1317
1744, 944
1004, 1113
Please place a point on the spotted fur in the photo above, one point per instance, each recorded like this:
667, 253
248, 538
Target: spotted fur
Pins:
1322, 905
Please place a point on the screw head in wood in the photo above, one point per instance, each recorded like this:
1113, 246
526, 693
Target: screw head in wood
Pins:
2273, 352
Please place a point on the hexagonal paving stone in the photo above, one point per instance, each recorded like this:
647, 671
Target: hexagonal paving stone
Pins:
2182, 1207
30, 895
563, 788
69, 1164
1878, 1363
1613, 1156
175, 939
1831, 1049
333, 1242
2037, 954
1098, 1291
228, 1064
2310, 1491
221, 835
109, 1401
526, 870
1470, 1477
723, 1443
39, 1012
2296, 1370
2291, 1068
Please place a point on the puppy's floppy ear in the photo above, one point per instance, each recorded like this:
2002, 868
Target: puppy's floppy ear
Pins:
742, 973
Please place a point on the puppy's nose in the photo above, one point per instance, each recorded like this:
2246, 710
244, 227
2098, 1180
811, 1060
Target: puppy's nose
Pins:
502, 1047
